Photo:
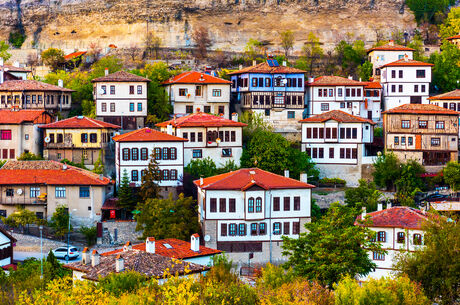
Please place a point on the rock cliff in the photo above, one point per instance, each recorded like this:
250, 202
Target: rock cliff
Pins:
74, 24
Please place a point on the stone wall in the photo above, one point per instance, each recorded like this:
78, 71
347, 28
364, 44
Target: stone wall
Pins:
126, 231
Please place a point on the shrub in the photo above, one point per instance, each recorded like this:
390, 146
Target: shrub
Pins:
16, 39
332, 181
119, 283
90, 235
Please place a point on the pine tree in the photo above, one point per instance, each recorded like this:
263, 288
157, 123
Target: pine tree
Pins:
149, 187
126, 198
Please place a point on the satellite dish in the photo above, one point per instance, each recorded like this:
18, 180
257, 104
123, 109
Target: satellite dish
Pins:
207, 238
19, 191
47, 139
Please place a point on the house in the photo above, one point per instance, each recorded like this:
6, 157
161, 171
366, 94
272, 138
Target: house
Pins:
193, 91
273, 91
425, 133
32, 94
80, 138
93, 266
133, 151
20, 132
339, 144
405, 81
385, 54
7, 242
327, 93
449, 100
191, 252
249, 210
208, 136
396, 228
42, 186
12, 72
121, 99
455, 40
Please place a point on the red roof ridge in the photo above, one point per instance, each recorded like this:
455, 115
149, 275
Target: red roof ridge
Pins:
393, 220
141, 135
406, 62
198, 119
390, 47
451, 95
80, 122
421, 109
330, 115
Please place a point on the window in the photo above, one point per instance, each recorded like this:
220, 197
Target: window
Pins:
134, 154
84, 138
223, 229
131, 107
254, 82
393, 88
139, 106
84, 191
410, 141
182, 92
258, 205
126, 154
173, 175
139, 89
354, 133
400, 73
439, 125
324, 107
9, 192
200, 136
253, 229
420, 73
267, 82
297, 203
60, 192
251, 205
400, 88
378, 256
321, 153
144, 154
405, 124
331, 152
198, 91
393, 74
353, 92
207, 109
213, 205
216, 92
227, 136
435, 141
242, 229
262, 228
291, 115
232, 229
276, 203
417, 239
172, 153
188, 109
5, 134
134, 175
277, 228
222, 205
34, 192
157, 153
415, 88
112, 107
131, 89
112, 89
103, 88
403, 140
401, 237
92, 137
192, 137
339, 92
286, 228
296, 227
197, 153
143, 172
396, 140
381, 236
331, 92
423, 88
232, 205
59, 138
185, 135
221, 109
287, 203
104, 107
423, 124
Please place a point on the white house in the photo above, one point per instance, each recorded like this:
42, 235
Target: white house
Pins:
382, 55
449, 100
249, 210
121, 99
208, 136
193, 91
7, 242
134, 150
397, 228
405, 81
336, 141
372, 101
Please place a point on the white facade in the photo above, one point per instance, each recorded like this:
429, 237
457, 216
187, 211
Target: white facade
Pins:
380, 58
170, 164
344, 98
405, 85
5, 243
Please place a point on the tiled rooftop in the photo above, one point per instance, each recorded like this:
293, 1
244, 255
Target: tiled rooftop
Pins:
18, 117
390, 47
147, 135
421, 109
336, 115
201, 119
193, 77
121, 76
332, 80
407, 62
396, 217
80, 122
265, 68
452, 95
30, 85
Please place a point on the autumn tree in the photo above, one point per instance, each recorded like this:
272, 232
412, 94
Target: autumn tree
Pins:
287, 41
152, 43
33, 61
311, 54
451, 174
451, 25
54, 58
151, 178
202, 41
4, 50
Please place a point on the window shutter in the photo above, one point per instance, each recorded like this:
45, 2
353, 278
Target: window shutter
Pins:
223, 229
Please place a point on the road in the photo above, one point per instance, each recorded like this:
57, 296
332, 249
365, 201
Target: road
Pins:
20, 256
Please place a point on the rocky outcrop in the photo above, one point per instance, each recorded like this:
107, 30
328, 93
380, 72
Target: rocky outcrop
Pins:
74, 24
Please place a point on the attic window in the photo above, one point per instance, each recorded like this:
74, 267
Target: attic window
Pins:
168, 246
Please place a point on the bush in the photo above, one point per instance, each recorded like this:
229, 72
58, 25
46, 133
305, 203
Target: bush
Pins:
16, 39
119, 283
90, 235
332, 181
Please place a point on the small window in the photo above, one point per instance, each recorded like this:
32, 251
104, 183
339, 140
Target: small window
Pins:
60, 192
420, 73
131, 89
134, 175
405, 124
381, 236
112, 89
286, 227
276, 203
139, 106
34, 192
435, 142
131, 107
262, 228
93, 137
213, 205
182, 92
297, 203
216, 92
188, 109
401, 237
197, 153
104, 107
339, 93
198, 91
84, 191
378, 256
135, 154
144, 154
112, 107
254, 229
232, 229
126, 154
251, 205
223, 229
104, 89
324, 107
287, 203
400, 73
9, 192
207, 109
417, 239
222, 205
403, 140
226, 152
84, 138
439, 125
221, 110
291, 114
139, 89
400, 88
258, 204
410, 141
423, 124
232, 205
277, 228
242, 229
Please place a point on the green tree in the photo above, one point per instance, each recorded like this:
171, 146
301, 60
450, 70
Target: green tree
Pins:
88, 108
417, 44
168, 218
60, 221
119, 283
436, 265
446, 69
54, 58
255, 122
29, 156
90, 234
427, 10
99, 164
201, 168
365, 71
350, 56
379, 291
386, 170
4, 50
451, 174
52, 268
312, 53
253, 49
126, 197
17, 38
409, 182
365, 195
149, 187
21, 218
333, 247
451, 25
287, 41
111, 62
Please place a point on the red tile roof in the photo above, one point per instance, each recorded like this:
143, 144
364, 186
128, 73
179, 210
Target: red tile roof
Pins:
396, 217
30, 85
245, 178
421, 109
407, 62
265, 68
111, 204
47, 173
452, 95
74, 55
11, 68
80, 122
201, 119
20, 116
372, 85
147, 135
390, 47
453, 37
193, 77
332, 80
336, 115
179, 249
121, 76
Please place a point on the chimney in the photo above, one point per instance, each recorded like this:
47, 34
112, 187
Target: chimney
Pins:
16, 64
235, 117
127, 246
391, 43
85, 256
106, 71
95, 257
379, 206
61, 83
195, 242
169, 129
389, 205
350, 77
284, 63
150, 245
304, 177
254, 62
201, 181
119, 264
360, 79
311, 79
363, 213
240, 67
286, 173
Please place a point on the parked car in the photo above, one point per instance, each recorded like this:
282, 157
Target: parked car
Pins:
435, 197
63, 253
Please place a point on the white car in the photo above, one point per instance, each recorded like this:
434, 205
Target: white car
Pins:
63, 253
